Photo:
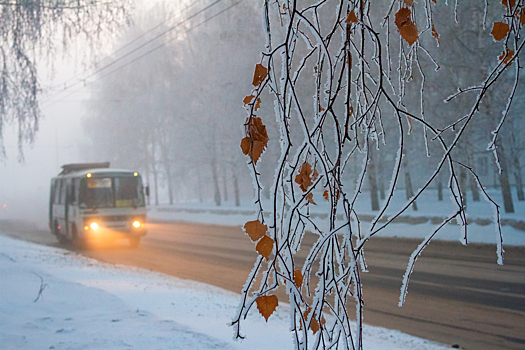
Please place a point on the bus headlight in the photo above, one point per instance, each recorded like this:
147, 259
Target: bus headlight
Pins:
136, 224
94, 226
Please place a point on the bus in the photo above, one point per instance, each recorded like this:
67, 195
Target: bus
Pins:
91, 201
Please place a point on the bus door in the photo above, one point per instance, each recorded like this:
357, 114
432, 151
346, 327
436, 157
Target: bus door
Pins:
61, 212
71, 211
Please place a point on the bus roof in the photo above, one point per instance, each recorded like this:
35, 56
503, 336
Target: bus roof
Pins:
67, 168
99, 172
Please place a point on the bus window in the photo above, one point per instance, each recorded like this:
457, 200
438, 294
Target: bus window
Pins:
63, 187
128, 192
56, 197
71, 192
96, 192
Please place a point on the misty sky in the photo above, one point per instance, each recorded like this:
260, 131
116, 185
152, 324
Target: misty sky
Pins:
24, 186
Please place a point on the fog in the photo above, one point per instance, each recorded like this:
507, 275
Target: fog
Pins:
24, 183
166, 100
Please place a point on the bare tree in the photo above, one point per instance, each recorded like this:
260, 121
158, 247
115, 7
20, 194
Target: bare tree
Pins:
367, 62
39, 29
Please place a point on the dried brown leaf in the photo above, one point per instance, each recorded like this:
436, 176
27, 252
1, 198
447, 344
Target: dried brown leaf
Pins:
258, 104
258, 131
407, 28
256, 151
351, 18
267, 305
500, 30
506, 3
507, 56
409, 32
409, 2
314, 325
248, 99
265, 247
326, 195
255, 229
522, 17
298, 278
246, 145
303, 178
310, 198
259, 75
255, 143
435, 33
402, 17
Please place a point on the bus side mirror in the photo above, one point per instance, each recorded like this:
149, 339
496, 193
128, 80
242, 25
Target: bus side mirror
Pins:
147, 190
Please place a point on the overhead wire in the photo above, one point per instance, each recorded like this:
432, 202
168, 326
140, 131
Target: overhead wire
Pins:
175, 26
138, 38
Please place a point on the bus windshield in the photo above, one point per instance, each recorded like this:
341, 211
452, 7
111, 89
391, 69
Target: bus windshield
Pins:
111, 192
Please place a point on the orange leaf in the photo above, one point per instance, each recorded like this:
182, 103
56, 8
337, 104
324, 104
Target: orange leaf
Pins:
255, 143
326, 195
307, 311
256, 151
409, 32
409, 2
435, 33
314, 325
506, 3
522, 17
407, 28
248, 99
303, 178
402, 17
298, 278
255, 229
258, 131
500, 30
507, 56
310, 198
267, 305
259, 74
258, 104
246, 145
265, 247
352, 18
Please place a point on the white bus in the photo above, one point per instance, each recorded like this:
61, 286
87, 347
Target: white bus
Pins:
92, 201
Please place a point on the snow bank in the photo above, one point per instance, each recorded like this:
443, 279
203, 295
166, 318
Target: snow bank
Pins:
55, 299
414, 224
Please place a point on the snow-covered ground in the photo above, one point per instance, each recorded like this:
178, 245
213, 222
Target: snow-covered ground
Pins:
55, 299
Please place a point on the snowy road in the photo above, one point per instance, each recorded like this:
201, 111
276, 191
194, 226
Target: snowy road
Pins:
458, 295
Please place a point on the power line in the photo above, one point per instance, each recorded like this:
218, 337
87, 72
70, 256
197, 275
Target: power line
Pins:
167, 42
152, 50
143, 45
141, 36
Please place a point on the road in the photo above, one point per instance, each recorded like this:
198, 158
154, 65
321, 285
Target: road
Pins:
458, 295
